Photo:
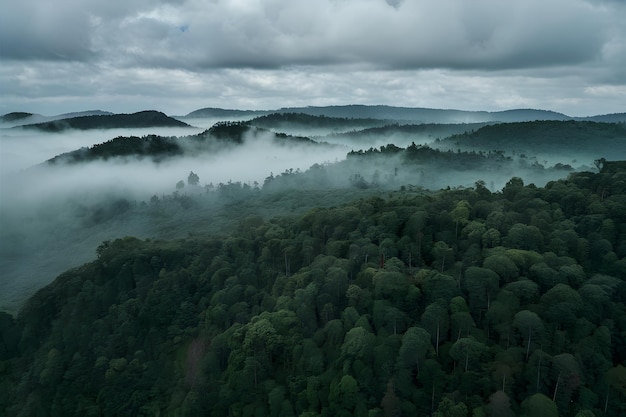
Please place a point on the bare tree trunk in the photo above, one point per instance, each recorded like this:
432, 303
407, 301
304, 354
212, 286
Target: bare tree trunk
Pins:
556, 387
539, 370
437, 340
432, 400
530, 335
410, 271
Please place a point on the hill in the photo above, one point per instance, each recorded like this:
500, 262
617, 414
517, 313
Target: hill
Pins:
608, 118
577, 137
222, 135
426, 115
307, 121
212, 112
410, 114
147, 118
15, 116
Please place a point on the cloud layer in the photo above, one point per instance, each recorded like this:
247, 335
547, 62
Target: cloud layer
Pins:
71, 48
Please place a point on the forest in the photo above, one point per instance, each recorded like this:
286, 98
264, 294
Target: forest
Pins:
459, 302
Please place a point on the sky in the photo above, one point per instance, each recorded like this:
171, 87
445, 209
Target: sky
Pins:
177, 56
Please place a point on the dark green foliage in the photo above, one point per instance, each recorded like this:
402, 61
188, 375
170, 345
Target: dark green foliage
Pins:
380, 306
155, 147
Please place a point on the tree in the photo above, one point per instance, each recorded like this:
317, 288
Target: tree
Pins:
503, 266
460, 215
528, 323
512, 188
442, 254
521, 236
390, 402
481, 285
466, 349
566, 377
538, 405
491, 238
437, 322
499, 405
358, 344
345, 394
180, 185
193, 178
525, 290
415, 345
447, 408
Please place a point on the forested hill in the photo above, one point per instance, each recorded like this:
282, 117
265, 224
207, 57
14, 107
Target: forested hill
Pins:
431, 131
219, 137
462, 302
545, 136
15, 116
211, 112
147, 118
427, 115
302, 120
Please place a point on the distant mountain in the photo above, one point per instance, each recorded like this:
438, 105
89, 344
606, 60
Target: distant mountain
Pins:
426, 115
23, 118
608, 118
149, 118
15, 116
412, 115
82, 113
212, 112
527, 115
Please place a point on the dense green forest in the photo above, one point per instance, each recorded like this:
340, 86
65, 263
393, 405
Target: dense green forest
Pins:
462, 302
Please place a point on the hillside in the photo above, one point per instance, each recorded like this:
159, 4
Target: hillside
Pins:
577, 137
148, 118
15, 116
220, 136
306, 121
212, 112
410, 303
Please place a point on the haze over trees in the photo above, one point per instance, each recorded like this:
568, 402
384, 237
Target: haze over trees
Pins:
355, 287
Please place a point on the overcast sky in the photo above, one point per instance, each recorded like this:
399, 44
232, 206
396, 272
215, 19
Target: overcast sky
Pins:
180, 55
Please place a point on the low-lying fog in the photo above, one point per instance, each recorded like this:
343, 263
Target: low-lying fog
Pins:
52, 218
43, 230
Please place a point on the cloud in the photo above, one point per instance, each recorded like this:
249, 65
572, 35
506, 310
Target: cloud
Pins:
273, 34
180, 55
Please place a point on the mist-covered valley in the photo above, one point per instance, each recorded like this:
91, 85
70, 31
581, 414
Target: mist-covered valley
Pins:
202, 260
63, 193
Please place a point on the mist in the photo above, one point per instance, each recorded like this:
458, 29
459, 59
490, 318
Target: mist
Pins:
52, 217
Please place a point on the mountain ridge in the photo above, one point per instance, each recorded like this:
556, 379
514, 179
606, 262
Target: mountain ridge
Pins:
409, 114
146, 118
